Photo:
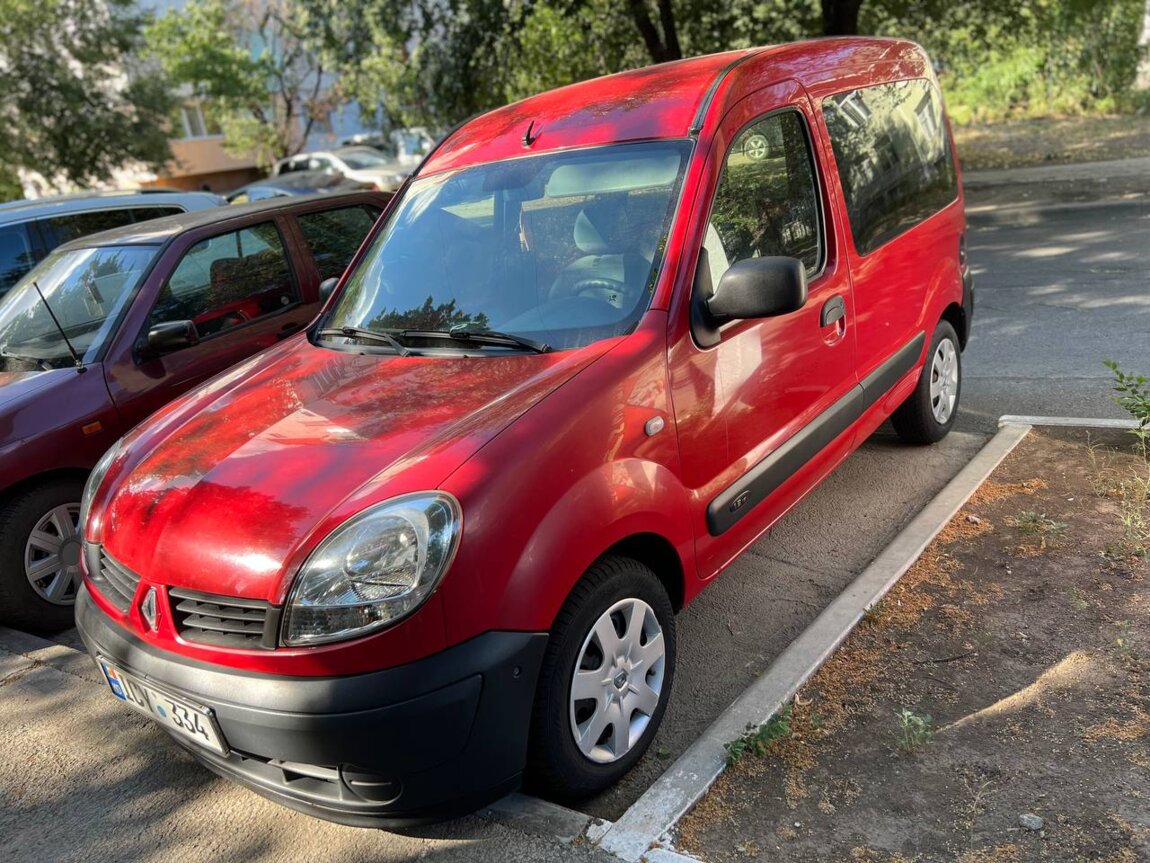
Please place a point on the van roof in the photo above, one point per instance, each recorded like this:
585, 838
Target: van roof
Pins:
667, 100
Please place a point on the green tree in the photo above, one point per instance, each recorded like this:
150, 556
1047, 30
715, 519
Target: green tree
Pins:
250, 63
73, 101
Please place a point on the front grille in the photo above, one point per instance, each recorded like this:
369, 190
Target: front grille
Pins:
225, 621
115, 581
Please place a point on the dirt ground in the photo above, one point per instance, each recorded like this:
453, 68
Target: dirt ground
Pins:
1052, 141
994, 707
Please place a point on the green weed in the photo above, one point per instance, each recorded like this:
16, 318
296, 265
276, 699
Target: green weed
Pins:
914, 729
755, 740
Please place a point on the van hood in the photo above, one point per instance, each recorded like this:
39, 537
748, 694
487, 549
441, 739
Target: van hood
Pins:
230, 497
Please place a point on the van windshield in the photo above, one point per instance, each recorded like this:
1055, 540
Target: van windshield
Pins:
562, 248
86, 288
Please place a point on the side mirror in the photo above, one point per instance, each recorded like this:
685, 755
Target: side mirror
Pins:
760, 288
172, 336
326, 287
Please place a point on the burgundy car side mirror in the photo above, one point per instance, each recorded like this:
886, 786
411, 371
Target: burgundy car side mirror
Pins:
172, 336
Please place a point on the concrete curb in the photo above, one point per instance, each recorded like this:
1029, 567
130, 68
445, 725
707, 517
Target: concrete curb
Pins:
1068, 422
650, 818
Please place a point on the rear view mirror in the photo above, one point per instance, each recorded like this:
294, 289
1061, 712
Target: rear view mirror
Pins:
326, 287
760, 288
172, 336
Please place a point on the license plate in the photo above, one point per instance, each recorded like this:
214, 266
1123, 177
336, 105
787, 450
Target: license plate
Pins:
184, 718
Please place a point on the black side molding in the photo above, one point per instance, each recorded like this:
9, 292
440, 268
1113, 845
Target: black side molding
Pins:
761, 481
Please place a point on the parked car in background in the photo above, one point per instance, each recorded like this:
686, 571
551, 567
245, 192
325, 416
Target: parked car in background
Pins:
111, 327
29, 230
362, 164
596, 349
296, 183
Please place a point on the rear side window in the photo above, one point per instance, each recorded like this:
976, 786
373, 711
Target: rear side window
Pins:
143, 214
767, 200
16, 255
61, 229
893, 155
228, 280
334, 236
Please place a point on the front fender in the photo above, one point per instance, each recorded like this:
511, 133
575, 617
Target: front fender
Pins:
614, 503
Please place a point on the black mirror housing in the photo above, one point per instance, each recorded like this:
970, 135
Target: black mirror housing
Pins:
760, 288
172, 336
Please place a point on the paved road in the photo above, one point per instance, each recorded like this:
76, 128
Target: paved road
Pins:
1059, 290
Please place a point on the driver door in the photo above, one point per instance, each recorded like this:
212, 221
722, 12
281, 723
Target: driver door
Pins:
241, 292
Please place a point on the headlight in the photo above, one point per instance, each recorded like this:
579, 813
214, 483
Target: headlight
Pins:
93, 484
373, 570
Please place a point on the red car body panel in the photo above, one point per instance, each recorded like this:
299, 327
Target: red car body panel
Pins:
230, 489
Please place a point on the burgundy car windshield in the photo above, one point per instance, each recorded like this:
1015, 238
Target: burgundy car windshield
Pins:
561, 248
85, 288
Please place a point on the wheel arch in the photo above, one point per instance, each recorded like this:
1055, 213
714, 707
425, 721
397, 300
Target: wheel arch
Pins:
955, 315
29, 482
658, 554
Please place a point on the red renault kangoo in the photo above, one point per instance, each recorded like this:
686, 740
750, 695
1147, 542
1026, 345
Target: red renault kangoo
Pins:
600, 342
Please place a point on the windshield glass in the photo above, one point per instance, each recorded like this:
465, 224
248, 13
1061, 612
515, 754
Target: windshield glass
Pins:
561, 248
359, 160
86, 289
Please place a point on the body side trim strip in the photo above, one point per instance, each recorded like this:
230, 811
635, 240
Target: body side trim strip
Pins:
762, 480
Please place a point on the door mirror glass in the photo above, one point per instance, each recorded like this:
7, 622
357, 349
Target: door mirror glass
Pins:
172, 336
760, 288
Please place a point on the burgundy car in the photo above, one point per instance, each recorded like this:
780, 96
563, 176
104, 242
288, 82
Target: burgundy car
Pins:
110, 327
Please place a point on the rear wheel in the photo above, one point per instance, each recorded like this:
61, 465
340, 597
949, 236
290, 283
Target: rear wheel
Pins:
40, 556
605, 681
929, 412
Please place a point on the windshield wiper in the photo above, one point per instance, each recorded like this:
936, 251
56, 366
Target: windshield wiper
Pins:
75, 356
482, 337
373, 335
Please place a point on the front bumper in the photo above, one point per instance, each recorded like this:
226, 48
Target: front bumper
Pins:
427, 740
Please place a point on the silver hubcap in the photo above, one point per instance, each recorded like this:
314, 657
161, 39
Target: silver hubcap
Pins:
756, 147
52, 555
618, 681
944, 381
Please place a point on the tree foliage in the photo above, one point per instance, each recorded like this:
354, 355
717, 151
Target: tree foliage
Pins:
249, 61
74, 102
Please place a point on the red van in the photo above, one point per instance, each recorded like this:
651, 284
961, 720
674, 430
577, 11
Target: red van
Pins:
601, 341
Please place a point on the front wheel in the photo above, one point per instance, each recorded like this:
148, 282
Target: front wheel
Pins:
605, 681
929, 412
40, 556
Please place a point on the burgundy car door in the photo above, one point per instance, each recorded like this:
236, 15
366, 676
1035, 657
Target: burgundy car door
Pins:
241, 289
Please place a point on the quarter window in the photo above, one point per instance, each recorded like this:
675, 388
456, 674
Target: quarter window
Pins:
226, 281
16, 255
894, 158
767, 200
334, 236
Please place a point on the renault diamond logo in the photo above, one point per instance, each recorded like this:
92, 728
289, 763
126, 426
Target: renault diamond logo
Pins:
148, 608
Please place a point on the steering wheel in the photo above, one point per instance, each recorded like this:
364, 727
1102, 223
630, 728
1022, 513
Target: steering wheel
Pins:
607, 290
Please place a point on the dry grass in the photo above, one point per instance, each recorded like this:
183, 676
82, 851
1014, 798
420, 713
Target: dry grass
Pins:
1052, 141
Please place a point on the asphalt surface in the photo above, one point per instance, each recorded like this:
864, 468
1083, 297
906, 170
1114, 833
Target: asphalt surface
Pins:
1059, 288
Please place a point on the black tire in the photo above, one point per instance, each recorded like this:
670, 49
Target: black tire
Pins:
21, 607
555, 762
914, 421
